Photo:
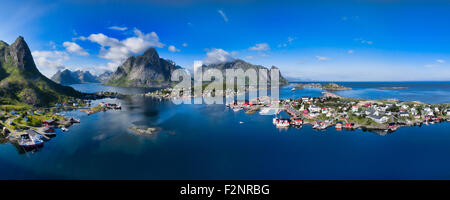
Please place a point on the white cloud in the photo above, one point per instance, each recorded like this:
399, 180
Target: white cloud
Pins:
260, 47
350, 51
48, 62
248, 57
321, 58
440, 61
216, 56
118, 28
225, 18
428, 66
73, 47
173, 49
119, 50
185, 44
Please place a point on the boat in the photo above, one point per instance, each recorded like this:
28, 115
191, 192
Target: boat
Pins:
237, 109
31, 140
282, 123
293, 89
323, 127
297, 122
338, 126
241, 122
64, 129
74, 120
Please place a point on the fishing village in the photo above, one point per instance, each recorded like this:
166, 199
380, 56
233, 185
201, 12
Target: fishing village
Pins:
331, 110
28, 128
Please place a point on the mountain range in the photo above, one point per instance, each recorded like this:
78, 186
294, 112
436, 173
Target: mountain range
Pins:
149, 70
21, 81
240, 64
67, 77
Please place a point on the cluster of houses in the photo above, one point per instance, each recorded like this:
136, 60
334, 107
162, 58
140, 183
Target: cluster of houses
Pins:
325, 111
110, 105
174, 93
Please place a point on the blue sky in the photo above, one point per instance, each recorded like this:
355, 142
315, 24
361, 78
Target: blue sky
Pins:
326, 40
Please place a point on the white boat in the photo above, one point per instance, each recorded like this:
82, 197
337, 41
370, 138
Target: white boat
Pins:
74, 120
241, 122
323, 127
30, 140
237, 109
64, 129
282, 123
293, 89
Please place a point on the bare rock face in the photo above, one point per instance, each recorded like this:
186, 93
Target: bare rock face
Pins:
147, 70
21, 55
105, 76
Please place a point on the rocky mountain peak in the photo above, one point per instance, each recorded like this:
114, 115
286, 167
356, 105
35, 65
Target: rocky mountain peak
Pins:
21, 55
146, 70
151, 54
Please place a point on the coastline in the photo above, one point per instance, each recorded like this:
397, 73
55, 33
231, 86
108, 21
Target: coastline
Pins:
357, 113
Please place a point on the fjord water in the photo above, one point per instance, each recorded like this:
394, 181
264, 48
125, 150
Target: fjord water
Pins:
210, 142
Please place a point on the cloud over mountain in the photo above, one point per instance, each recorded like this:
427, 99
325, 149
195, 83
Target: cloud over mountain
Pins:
73, 47
217, 56
118, 50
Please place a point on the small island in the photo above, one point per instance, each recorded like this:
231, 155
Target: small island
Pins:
144, 131
327, 86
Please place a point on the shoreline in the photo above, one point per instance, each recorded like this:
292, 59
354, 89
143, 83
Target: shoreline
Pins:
38, 125
341, 112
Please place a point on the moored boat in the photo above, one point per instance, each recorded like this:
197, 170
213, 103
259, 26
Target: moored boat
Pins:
237, 109
282, 123
338, 126
31, 139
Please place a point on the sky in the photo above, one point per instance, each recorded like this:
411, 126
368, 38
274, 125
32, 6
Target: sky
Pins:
386, 40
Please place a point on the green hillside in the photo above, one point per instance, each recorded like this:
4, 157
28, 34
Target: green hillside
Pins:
22, 83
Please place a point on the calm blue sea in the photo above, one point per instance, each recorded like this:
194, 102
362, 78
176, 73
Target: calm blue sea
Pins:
213, 142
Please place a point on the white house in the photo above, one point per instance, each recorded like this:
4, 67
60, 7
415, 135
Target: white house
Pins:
354, 108
414, 111
314, 108
404, 114
378, 119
